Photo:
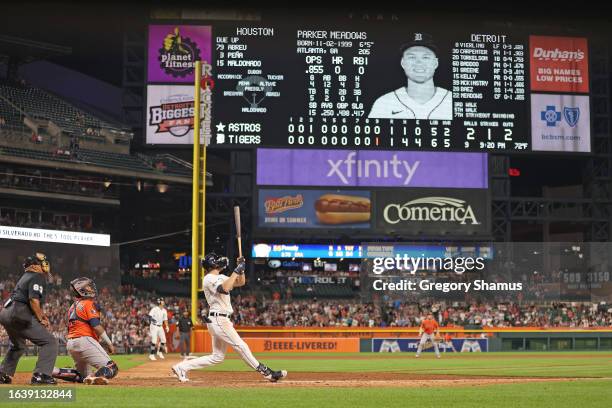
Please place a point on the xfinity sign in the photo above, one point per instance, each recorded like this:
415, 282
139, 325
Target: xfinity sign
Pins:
433, 212
434, 209
344, 169
371, 168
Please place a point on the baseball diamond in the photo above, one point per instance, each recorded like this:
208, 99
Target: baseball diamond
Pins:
242, 205
394, 376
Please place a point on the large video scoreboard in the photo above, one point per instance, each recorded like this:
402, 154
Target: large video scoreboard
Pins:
298, 82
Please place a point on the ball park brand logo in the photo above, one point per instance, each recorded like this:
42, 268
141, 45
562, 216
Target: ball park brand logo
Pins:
178, 55
431, 209
282, 204
173, 115
556, 54
552, 117
270, 345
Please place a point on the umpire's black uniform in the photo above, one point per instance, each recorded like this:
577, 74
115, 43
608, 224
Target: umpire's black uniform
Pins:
21, 324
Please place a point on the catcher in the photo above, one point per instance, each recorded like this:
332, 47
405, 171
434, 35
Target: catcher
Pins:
84, 336
429, 331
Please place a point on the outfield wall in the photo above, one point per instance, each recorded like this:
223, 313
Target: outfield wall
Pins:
275, 339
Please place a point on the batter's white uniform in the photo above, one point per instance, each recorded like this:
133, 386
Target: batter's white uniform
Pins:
158, 317
398, 105
221, 329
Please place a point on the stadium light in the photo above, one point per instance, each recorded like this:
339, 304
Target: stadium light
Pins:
162, 187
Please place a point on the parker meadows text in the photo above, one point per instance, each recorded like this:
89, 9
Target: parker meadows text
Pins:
458, 265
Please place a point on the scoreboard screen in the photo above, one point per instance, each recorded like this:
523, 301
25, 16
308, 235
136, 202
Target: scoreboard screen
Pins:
373, 85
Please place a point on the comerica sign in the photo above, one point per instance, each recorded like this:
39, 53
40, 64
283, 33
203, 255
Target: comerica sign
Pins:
435, 209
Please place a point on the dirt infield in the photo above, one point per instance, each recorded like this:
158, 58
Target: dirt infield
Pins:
158, 374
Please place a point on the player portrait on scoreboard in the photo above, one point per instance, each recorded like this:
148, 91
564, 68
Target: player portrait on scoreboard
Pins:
419, 97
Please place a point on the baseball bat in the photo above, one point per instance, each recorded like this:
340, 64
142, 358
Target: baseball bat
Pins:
238, 232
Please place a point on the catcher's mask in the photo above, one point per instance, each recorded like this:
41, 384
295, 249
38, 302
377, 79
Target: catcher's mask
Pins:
214, 261
37, 263
83, 287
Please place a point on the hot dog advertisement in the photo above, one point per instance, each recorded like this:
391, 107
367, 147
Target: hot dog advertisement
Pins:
292, 208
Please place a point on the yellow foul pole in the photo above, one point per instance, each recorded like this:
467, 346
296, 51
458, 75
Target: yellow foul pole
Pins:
205, 71
197, 219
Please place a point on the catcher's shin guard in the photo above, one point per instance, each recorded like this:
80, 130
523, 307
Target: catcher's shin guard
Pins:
109, 371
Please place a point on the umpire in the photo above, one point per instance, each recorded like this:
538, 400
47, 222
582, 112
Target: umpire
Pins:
185, 324
23, 318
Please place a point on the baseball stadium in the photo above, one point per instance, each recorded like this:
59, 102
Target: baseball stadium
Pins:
238, 205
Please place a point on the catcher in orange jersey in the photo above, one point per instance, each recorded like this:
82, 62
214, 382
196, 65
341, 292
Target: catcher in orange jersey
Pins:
85, 333
429, 331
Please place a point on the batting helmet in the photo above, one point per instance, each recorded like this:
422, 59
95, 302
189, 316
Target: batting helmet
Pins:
214, 261
84, 287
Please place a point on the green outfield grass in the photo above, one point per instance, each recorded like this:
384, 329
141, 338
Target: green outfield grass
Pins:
594, 390
584, 394
534, 364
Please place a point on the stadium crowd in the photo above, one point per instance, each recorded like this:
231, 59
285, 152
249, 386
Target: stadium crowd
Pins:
125, 313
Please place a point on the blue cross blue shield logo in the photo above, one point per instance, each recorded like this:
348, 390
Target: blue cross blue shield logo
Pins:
571, 116
551, 116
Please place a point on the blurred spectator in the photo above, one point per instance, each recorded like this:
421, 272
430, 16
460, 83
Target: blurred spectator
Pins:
125, 314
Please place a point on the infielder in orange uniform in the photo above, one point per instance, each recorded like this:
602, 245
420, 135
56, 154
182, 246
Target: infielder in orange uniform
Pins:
448, 343
428, 331
84, 336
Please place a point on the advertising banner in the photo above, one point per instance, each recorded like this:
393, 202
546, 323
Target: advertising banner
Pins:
170, 114
368, 250
173, 50
561, 123
559, 64
467, 345
314, 209
202, 344
433, 211
368, 168
262, 250
55, 236
314, 345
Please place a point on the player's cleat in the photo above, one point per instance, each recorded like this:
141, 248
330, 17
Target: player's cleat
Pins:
42, 379
5, 378
179, 373
92, 380
160, 355
152, 357
274, 376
